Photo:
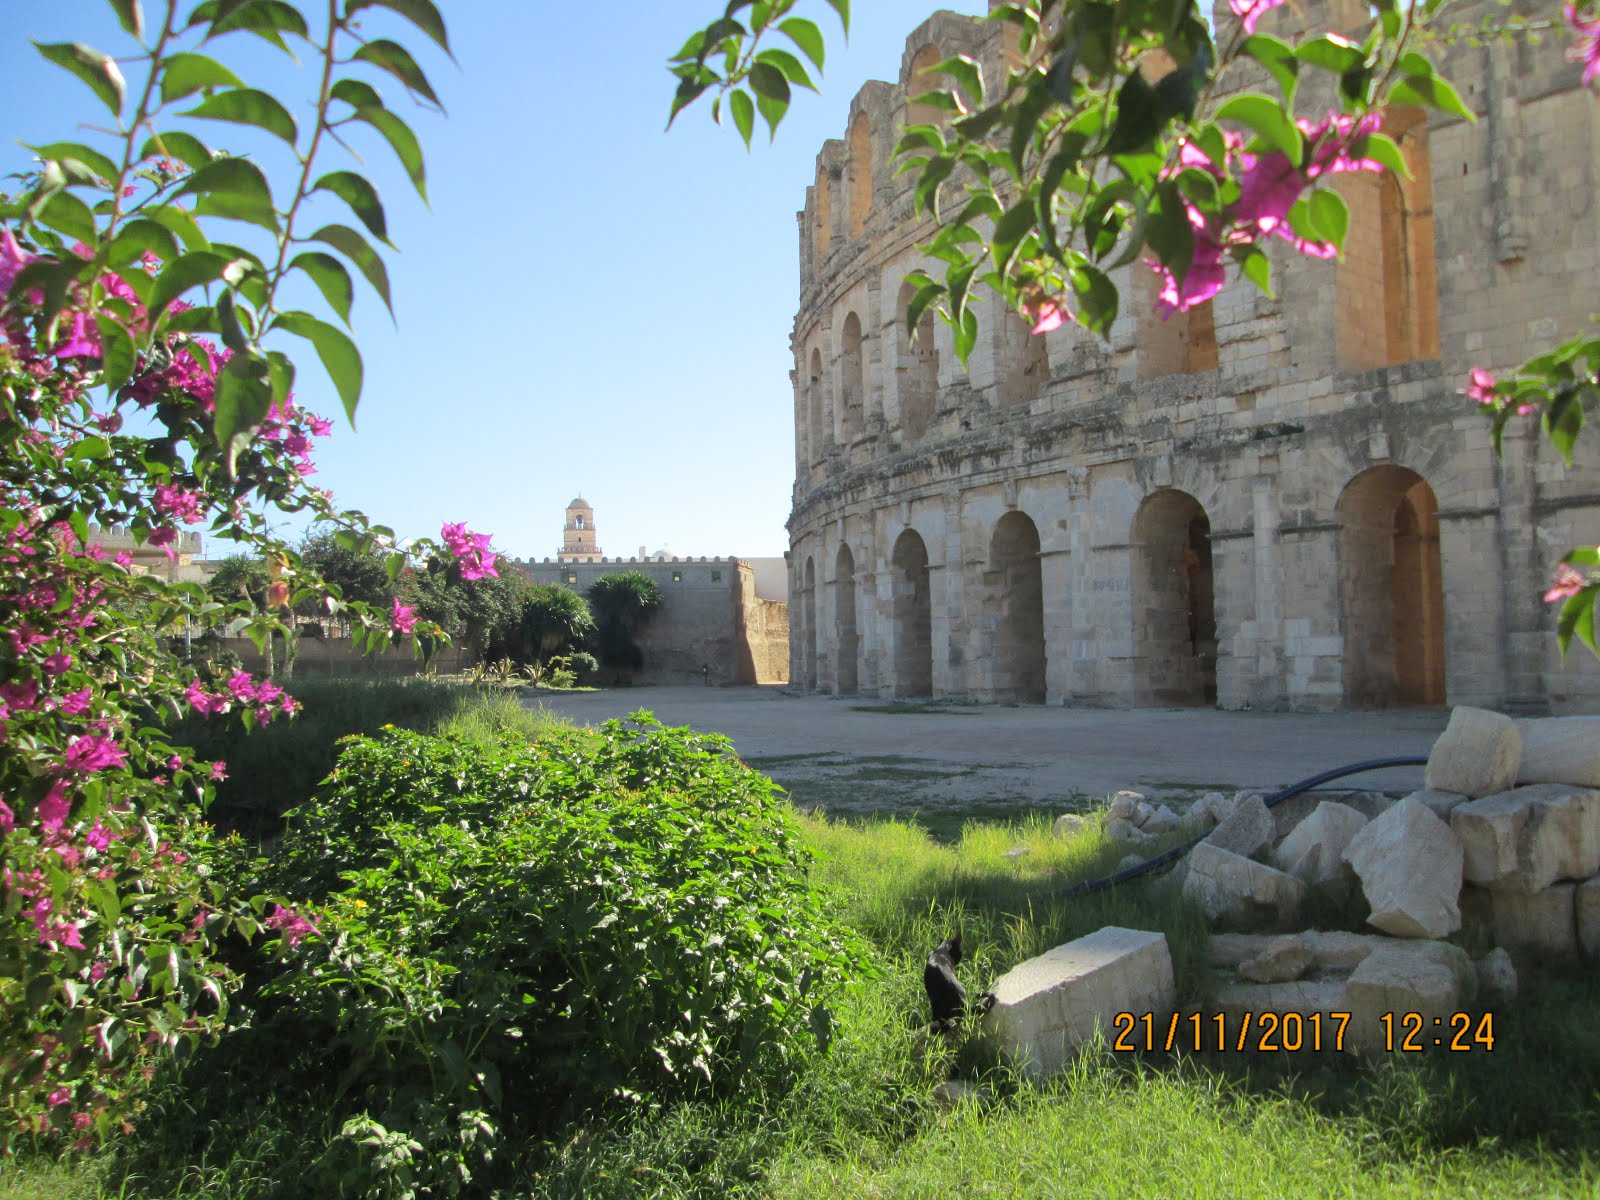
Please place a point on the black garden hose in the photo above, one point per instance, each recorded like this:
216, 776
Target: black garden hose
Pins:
1294, 789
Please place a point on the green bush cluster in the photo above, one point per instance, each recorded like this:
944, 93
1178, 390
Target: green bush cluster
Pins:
511, 935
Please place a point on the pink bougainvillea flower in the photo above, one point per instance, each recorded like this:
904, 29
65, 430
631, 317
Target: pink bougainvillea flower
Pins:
91, 752
178, 502
1049, 317
321, 427
1565, 582
19, 696
470, 550
1251, 11
1482, 386
57, 663
1205, 276
242, 686
98, 838
202, 701
163, 536
55, 806
8, 819
83, 339
291, 924
402, 617
1587, 48
12, 259
59, 1097
218, 772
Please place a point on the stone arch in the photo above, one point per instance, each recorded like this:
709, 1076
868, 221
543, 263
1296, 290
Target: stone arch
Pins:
918, 370
853, 382
844, 621
913, 616
1391, 590
1014, 603
816, 432
808, 652
1174, 602
1024, 361
860, 173
1387, 288
823, 206
923, 79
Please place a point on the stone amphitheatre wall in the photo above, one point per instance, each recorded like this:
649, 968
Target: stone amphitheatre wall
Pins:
1277, 503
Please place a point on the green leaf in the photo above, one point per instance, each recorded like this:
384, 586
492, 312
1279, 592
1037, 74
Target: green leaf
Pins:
807, 36
234, 188
791, 67
356, 93
357, 249
338, 353
183, 274
744, 114
1267, 118
75, 152
243, 396
768, 82
140, 236
1577, 617
396, 59
247, 106
421, 13
842, 7
116, 352
184, 147
1279, 59
267, 19
130, 16
332, 280
67, 214
1331, 215
965, 71
93, 68
180, 223
1139, 116
402, 141
1433, 92
1097, 299
361, 196
1008, 234
184, 74
1331, 52
1257, 268
1383, 149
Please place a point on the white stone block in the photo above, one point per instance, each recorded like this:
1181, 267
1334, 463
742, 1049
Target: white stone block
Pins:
1440, 804
1497, 976
1427, 977
1283, 960
1236, 891
1305, 996
1541, 925
1409, 863
1560, 750
1528, 838
1069, 825
1478, 753
1314, 850
1247, 830
1047, 1008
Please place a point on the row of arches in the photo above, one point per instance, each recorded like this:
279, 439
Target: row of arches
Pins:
1390, 584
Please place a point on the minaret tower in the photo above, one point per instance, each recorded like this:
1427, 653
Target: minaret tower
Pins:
577, 538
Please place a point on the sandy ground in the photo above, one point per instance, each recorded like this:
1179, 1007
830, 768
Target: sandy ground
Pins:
991, 761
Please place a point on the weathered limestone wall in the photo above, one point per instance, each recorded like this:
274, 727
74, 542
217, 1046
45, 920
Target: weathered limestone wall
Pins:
1274, 503
710, 627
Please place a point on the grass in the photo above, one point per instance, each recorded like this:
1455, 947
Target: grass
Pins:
1522, 1120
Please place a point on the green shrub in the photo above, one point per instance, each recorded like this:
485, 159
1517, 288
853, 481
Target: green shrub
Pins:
515, 934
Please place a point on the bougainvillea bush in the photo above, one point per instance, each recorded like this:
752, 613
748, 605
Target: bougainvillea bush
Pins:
145, 383
510, 937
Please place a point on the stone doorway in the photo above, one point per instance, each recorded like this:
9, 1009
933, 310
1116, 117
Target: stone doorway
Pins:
913, 617
1174, 603
1392, 590
844, 621
1015, 601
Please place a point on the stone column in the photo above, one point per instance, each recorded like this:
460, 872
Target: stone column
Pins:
950, 632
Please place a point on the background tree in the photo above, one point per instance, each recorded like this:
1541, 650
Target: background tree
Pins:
357, 573
621, 604
555, 620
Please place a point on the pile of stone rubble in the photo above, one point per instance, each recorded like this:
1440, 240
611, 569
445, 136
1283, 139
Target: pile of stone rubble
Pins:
1502, 847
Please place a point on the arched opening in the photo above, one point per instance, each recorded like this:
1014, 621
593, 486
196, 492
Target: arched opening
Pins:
1387, 283
1014, 603
844, 621
1391, 587
923, 79
817, 432
918, 372
822, 205
1024, 362
913, 617
854, 379
860, 173
1174, 602
808, 652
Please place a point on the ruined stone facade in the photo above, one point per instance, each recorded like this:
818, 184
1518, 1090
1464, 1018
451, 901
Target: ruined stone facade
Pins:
1278, 503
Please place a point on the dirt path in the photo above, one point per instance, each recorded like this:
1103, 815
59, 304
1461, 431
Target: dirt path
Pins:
947, 764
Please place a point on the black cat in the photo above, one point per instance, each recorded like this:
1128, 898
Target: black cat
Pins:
945, 994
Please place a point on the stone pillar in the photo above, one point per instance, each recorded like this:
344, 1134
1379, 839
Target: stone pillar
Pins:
1082, 651
1521, 562
951, 632
1267, 684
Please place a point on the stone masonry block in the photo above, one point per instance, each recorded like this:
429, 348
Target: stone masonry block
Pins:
1560, 750
1427, 977
1314, 850
1235, 891
1477, 754
1047, 1008
1409, 863
1528, 838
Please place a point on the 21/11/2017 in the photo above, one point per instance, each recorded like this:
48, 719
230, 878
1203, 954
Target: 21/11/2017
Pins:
1230, 1032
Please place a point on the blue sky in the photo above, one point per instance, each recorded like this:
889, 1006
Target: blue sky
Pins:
592, 305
